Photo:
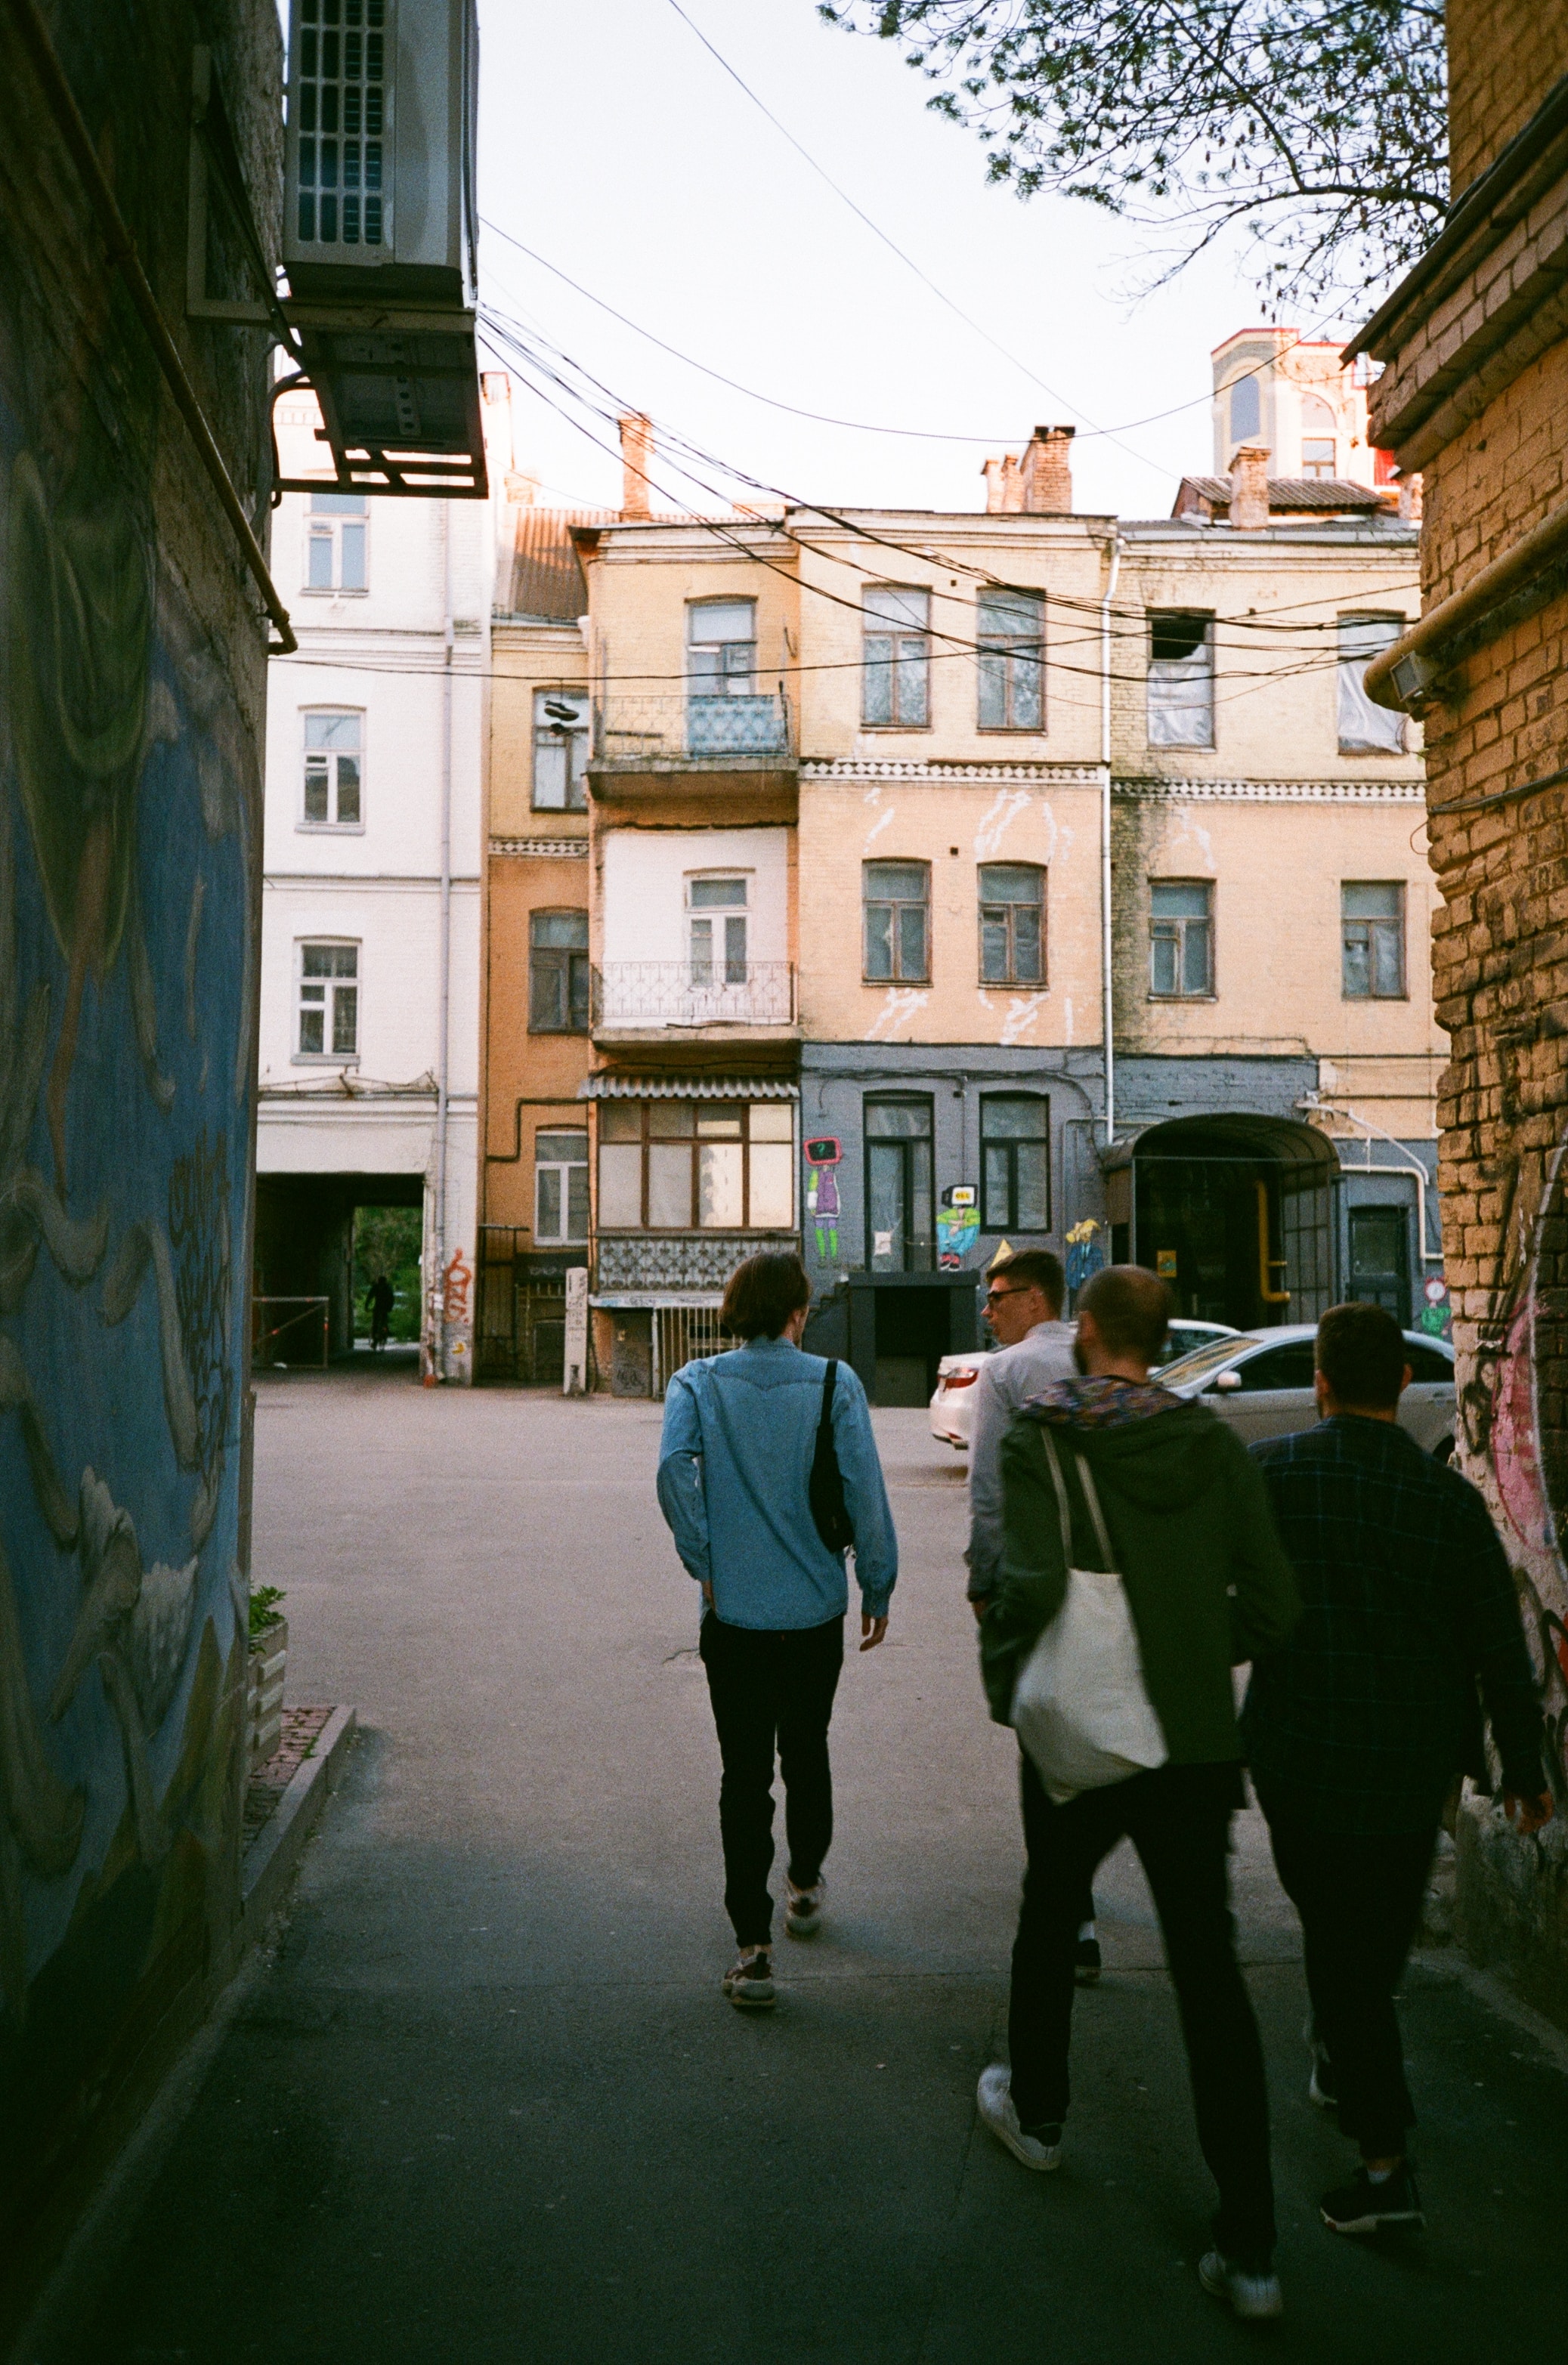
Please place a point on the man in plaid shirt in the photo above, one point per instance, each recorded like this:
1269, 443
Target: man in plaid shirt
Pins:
1357, 1726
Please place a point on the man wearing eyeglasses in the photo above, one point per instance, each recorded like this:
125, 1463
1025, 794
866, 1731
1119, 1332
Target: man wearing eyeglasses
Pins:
1022, 1305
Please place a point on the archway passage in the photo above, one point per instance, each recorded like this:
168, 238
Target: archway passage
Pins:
309, 1290
1236, 1214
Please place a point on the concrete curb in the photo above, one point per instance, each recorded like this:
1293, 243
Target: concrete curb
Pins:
273, 1857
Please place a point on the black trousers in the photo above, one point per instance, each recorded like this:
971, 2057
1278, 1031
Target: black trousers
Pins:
1178, 1818
1358, 1896
771, 1691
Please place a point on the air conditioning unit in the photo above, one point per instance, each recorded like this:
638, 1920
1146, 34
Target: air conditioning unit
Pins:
379, 237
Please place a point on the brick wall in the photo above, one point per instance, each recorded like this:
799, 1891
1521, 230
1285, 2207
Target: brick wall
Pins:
1504, 56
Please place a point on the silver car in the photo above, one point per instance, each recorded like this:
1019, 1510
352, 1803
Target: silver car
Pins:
1261, 1383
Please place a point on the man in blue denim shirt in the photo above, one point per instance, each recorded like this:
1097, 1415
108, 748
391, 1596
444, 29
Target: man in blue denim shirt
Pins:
734, 1476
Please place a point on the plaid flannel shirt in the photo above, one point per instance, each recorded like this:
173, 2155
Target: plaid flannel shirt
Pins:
1362, 1720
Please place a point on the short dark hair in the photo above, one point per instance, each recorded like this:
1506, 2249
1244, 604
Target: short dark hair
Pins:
763, 1294
1036, 1269
1361, 1353
1131, 1309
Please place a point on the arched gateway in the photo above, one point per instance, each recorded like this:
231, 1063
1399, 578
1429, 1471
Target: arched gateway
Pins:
1236, 1212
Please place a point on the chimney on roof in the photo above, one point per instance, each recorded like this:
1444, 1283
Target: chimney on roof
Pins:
1003, 485
637, 463
1249, 487
1048, 471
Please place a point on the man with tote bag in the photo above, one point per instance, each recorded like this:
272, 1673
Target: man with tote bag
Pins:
1139, 1564
1024, 1297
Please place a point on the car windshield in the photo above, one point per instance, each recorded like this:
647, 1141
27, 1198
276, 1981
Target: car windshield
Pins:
1212, 1356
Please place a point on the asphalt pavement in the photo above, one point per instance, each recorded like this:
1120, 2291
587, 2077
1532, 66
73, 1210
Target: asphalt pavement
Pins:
484, 2101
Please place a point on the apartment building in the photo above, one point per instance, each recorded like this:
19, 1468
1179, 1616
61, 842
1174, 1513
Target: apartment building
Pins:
534, 1175
369, 1001
1014, 875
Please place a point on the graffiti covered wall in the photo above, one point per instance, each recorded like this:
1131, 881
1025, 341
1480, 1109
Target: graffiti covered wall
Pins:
132, 672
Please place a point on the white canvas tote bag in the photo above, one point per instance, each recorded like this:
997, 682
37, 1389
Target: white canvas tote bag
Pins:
1079, 1707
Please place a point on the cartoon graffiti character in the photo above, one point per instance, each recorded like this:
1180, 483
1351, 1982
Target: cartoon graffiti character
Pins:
1085, 1252
1436, 1315
822, 1194
958, 1224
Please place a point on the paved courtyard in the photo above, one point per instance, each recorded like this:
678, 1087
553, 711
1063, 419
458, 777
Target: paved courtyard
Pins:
485, 2103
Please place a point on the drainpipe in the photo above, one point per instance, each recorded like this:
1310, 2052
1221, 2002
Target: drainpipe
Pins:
438, 1327
1114, 554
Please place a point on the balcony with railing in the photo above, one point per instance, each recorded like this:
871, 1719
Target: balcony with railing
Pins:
649, 1003
647, 745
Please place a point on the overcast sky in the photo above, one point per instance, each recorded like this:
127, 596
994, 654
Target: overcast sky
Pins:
614, 145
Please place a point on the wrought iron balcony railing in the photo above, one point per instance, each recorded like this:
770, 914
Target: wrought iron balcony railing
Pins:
755, 729
635, 994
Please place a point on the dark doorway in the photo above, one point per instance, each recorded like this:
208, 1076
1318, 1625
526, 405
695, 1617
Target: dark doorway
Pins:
913, 1327
1234, 1214
1380, 1260
306, 1253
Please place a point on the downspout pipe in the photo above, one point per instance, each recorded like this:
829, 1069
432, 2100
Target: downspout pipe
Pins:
443, 1022
1107, 1013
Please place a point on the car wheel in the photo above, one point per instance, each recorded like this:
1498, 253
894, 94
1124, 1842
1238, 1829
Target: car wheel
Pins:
1443, 1450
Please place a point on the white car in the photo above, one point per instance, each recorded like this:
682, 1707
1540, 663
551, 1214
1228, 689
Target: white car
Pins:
952, 1407
1261, 1383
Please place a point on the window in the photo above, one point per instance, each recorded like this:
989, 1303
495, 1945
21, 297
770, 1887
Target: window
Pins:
1012, 634
1012, 923
897, 898
1016, 1163
1180, 680
1246, 409
1319, 447
720, 648
716, 926
1371, 928
339, 86
900, 1226
335, 540
1366, 729
560, 1189
331, 771
707, 1165
329, 1002
560, 751
897, 658
1181, 938
1290, 1367
557, 972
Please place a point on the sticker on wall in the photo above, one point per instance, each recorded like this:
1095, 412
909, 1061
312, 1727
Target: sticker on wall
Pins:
958, 1224
822, 1155
1435, 1316
1165, 1263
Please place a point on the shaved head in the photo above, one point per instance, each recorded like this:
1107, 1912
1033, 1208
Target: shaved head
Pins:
1130, 1308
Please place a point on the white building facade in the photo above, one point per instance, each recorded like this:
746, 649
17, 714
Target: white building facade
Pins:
370, 996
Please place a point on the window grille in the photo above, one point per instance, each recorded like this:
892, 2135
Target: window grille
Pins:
340, 92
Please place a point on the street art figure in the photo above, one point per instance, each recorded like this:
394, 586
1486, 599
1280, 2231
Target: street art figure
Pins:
957, 1226
1085, 1252
821, 1156
1435, 1317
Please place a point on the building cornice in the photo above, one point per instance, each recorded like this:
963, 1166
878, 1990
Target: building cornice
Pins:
943, 772
543, 849
1134, 788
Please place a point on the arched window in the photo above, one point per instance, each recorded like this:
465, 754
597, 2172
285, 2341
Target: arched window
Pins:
1246, 411
1319, 447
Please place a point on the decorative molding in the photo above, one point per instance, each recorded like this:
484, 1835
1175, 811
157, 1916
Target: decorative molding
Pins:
678, 1260
1150, 789
543, 849
943, 771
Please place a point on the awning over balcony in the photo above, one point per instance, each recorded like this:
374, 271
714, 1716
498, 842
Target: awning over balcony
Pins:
688, 1088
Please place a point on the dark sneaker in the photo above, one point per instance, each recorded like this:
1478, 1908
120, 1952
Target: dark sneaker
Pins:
1249, 2287
1037, 2147
1086, 1962
803, 1911
750, 1983
1363, 2207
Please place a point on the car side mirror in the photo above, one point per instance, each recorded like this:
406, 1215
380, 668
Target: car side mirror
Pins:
1227, 1383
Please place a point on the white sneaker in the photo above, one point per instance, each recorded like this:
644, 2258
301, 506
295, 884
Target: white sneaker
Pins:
803, 1910
750, 1982
1251, 2293
993, 2100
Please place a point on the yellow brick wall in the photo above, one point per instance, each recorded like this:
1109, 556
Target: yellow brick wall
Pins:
1504, 56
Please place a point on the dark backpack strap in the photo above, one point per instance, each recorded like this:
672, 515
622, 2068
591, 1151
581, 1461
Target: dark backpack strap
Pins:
825, 1426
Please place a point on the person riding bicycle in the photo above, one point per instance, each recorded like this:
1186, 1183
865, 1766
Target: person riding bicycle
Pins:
379, 1298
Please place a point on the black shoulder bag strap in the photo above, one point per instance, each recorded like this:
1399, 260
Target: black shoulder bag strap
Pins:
828, 1508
